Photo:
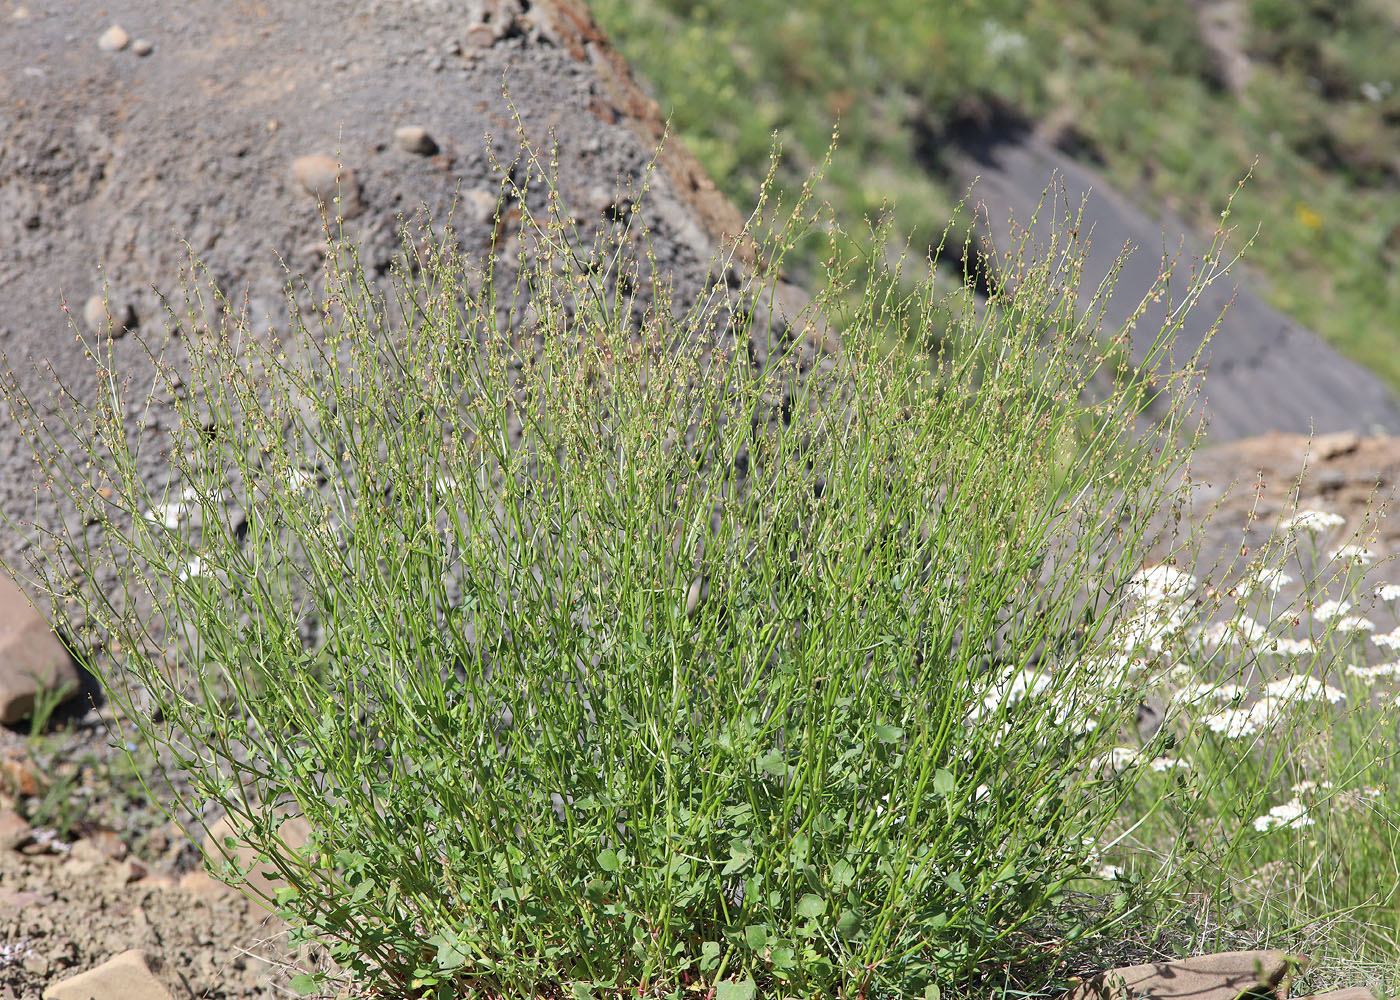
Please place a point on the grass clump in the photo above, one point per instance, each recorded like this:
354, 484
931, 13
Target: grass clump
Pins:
642, 664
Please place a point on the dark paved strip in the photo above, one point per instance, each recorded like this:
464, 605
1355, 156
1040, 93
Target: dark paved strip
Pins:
1266, 372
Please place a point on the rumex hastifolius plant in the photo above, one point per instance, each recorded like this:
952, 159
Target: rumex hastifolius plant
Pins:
646, 666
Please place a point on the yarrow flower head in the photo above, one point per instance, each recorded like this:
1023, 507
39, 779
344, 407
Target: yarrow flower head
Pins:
1161, 583
1354, 555
1372, 673
1270, 579
1116, 760
1388, 592
1285, 646
1387, 640
1314, 522
1237, 723
1236, 631
1013, 687
1354, 623
1302, 687
1162, 764
1197, 694
1328, 610
1292, 814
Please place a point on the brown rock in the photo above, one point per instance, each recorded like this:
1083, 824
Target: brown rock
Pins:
100, 321
295, 831
114, 39
14, 830
31, 657
1331, 445
200, 884
128, 976
1208, 977
17, 774
415, 139
327, 180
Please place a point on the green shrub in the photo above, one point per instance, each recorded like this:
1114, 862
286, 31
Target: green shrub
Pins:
643, 668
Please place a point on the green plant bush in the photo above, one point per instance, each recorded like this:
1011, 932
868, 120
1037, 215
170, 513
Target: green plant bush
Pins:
644, 668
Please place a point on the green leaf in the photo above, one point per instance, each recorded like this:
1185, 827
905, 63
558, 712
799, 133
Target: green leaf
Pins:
304, 984
709, 956
847, 923
756, 936
735, 989
932, 992
739, 858
451, 956
944, 783
582, 990
607, 860
843, 873
889, 734
954, 881
811, 905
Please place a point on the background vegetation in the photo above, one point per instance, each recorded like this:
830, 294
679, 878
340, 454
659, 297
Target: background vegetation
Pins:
1130, 86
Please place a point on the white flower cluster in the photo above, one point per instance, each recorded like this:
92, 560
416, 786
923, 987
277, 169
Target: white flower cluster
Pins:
1161, 584
1163, 764
1391, 669
1117, 760
1355, 555
1204, 691
1302, 687
1328, 610
1267, 578
1388, 640
1314, 522
1292, 815
170, 514
1013, 687
1388, 592
1237, 723
1233, 631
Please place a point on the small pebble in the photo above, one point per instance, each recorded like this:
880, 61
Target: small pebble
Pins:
322, 176
95, 316
326, 180
415, 139
339, 65
142, 47
114, 39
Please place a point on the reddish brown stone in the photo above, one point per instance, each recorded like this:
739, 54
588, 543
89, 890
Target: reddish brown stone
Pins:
31, 657
1225, 976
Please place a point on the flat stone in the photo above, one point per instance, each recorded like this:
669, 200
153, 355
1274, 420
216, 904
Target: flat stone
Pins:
128, 976
114, 39
415, 139
1225, 976
31, 657
1332, 445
